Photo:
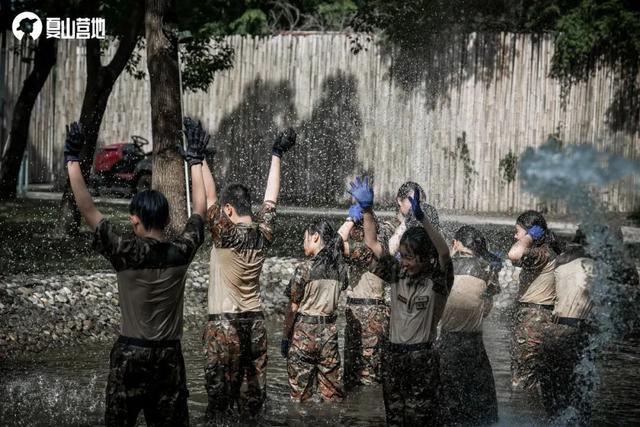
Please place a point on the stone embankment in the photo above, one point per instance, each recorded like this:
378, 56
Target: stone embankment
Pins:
47, 310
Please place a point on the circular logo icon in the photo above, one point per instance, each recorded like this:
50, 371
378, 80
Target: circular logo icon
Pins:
27, 23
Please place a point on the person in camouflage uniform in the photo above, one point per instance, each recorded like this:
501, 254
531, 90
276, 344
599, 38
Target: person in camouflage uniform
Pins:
535, 251
235, 338
310, 336
420, 283
367, 311
146, 367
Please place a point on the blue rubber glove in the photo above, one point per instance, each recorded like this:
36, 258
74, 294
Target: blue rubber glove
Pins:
362, 192
536, 232
284, 348
417, 211
73, 143
355, 214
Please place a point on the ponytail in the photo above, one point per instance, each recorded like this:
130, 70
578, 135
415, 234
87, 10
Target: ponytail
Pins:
331, 256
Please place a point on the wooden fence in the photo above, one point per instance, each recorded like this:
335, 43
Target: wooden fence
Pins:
444, 117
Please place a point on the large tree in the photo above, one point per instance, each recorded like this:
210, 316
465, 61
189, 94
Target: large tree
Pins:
126, 22
43, 59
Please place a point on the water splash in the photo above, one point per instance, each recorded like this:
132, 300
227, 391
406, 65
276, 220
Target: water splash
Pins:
30, 399
571, 174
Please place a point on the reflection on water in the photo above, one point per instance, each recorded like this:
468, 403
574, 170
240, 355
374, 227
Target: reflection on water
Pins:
67, 387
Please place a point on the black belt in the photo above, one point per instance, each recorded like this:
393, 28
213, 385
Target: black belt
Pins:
305, 318
533, 305
569, 321
406, 348
245, 315
140, 342
365, 301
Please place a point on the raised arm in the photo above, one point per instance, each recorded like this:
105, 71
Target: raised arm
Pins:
355, 217
363, 194
436, 238
209, 184
283, 143
522, 246
72, 147
197, 140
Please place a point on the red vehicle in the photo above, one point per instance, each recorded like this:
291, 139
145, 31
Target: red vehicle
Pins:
122, 167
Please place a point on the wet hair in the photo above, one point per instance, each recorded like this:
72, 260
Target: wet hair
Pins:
152, 208
332, 253
530, 218
419, 243
474, 240
238, 196
408, 187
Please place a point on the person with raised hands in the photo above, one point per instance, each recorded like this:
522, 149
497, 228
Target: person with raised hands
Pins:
535, 251
146, 367
367, 310
420, 282
235, 336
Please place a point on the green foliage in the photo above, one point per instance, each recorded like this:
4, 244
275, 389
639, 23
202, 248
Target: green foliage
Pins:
594, 34
463, 154
201, 60
252, 21
508, 167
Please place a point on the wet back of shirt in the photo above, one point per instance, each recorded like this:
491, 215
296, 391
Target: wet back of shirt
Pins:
574, 275
363, 283
151, 276
469, 300
236, 260
316, 286
537, 280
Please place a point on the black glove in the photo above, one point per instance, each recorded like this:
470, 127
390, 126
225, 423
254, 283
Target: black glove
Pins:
284, 348
73, 143
283, 142
197, 140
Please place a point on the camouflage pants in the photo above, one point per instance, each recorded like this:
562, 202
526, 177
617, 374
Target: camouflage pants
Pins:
565, 387
313, 357
236, 366
411, 387
527, 358
366, 329
151, 380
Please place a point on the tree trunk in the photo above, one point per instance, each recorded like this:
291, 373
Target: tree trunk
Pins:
44, 60
100, 81
166, 121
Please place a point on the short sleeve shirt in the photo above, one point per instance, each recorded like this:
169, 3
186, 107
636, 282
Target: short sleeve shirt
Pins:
316, 287
537, 281
417, 302
151, 276
237, 258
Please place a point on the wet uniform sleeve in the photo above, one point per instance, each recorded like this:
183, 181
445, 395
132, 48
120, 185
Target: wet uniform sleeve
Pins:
297, 284
493, 285
536, 258
443, 278
266, 219
219, 224
192, 236
387, 268
112, 245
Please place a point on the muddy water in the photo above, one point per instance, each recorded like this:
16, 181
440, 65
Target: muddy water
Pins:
66, 387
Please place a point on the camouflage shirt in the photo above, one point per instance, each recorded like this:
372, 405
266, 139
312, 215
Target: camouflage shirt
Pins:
237, 258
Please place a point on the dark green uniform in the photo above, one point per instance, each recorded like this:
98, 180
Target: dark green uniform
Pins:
147, 370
